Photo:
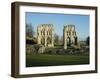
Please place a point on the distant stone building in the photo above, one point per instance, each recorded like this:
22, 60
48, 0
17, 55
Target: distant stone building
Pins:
45, 35
69, 35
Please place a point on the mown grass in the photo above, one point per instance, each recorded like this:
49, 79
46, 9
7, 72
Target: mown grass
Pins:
54, 60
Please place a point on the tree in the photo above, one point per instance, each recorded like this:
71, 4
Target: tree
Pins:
61, 40
29, 31
56, 39
88, 40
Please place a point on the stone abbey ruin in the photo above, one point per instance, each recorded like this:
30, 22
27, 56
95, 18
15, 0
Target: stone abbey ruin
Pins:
45, 41
69, 36
45, 35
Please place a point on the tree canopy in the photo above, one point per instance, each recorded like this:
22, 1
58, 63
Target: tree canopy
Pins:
29, 31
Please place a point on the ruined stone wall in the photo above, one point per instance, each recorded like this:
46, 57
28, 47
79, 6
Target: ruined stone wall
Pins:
69, 35
45, 35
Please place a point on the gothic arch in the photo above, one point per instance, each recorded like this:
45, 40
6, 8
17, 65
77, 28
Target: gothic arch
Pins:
49, 41
42, 40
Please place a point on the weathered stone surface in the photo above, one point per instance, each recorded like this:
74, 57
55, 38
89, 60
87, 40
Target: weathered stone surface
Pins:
45, 35
34, 49
41, 49
69, 35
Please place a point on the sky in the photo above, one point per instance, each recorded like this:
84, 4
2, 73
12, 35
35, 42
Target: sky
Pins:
81, 22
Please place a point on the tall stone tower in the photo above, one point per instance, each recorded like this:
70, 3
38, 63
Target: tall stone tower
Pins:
45, 35
69, 35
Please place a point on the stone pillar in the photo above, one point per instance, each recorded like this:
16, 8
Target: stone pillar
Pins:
39, 40
52, 39
72, 37
38, 36
65, 39
45, 37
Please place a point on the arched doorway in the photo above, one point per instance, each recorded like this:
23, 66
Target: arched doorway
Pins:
68, 41
49, 42
43, 41
75, 40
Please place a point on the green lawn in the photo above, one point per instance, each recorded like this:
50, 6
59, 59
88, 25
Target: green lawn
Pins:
53, 60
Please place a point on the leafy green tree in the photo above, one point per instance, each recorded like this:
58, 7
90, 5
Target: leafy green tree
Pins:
29, 31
